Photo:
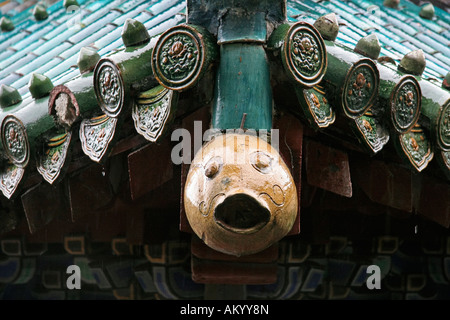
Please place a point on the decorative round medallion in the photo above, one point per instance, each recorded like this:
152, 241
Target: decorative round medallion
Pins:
181, 55
360, 88
304, 55
15, 141
444, 128
109, 88
405, 104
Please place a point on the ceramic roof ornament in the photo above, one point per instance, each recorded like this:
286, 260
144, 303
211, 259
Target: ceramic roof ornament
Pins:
300, 51
39, 85
87, 59
30, 129
391, 3
6, 24
9, 96
121, 75
369, 46
354, 79
257, 205
370, 127
68, 3
75, 99
413, 62
40, 12
434, 124
134, 33
229, 213
412, 141
191, 47
21, 129
328, 26
427, 11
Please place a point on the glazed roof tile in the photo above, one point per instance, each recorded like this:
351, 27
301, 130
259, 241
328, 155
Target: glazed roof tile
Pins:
399, 30
51, 46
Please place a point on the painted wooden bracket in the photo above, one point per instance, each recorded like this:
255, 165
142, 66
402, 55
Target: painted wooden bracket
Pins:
210, 266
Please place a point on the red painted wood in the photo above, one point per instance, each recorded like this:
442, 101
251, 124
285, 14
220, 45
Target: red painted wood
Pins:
89, 190
434, 201
149, 168
42, 204
220, 272
291, 149
385, 183
328, 168
203, 115
202, 251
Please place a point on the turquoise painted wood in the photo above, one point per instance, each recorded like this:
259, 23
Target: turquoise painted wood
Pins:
242, 87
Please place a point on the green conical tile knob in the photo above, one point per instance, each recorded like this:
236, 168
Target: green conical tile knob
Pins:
39, 85
391, 3
134, 33
68, 3
87, 59
6, 24
40, 12
328, 26
413, 62
369, 46
427, 11
9, 96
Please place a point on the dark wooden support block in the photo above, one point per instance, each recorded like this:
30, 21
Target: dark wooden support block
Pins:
42, 204
202, 115
149, 168
291, 150
202, 251
328, 168
89, 190
385, 183
434, 201
220, 272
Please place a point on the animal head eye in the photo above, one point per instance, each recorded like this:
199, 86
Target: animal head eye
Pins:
261, 161
213, 166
